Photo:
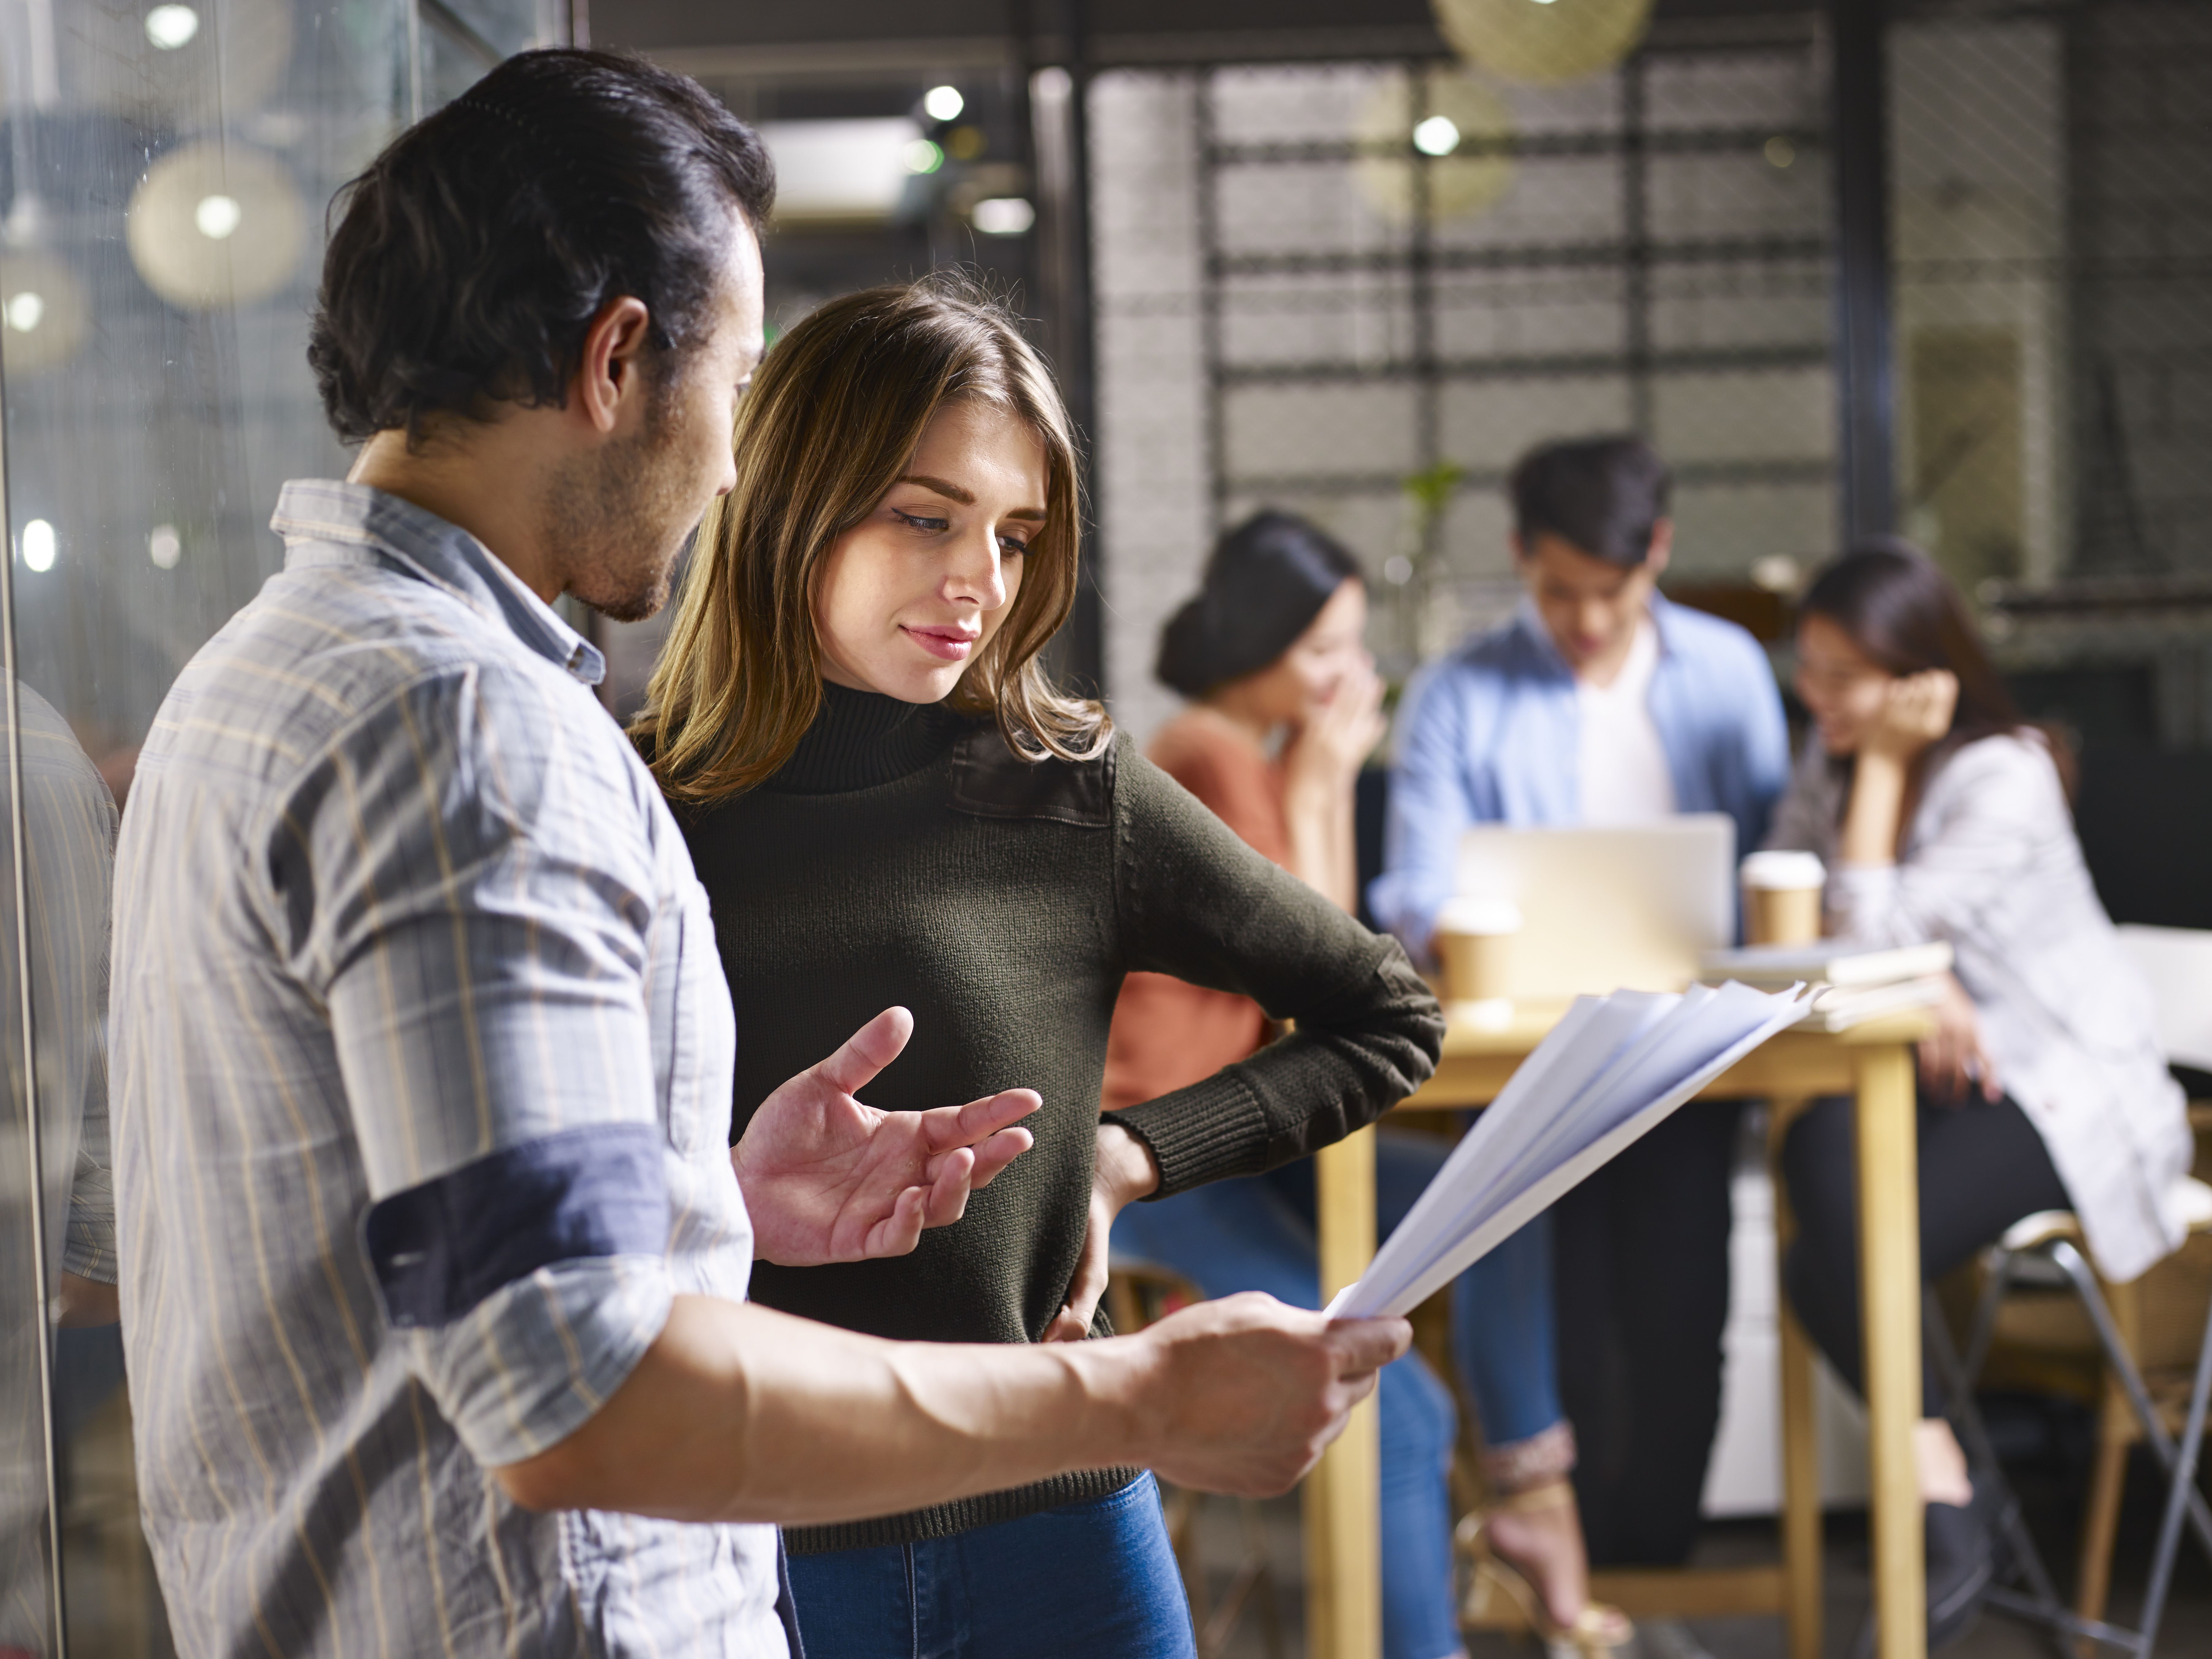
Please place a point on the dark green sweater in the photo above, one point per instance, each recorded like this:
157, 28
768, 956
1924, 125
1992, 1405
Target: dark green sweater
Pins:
905, 855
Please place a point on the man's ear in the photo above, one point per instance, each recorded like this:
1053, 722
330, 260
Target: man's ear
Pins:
1662, 546
612, 371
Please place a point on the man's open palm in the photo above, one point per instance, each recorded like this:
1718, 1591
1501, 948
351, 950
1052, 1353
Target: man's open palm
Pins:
826, 1179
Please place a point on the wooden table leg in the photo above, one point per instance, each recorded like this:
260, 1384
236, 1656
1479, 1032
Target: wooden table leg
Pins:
1801, 1448
1889, 1280
1343, 1495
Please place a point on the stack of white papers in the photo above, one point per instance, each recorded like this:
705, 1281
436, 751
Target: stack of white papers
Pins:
1607, 1074
1850, 984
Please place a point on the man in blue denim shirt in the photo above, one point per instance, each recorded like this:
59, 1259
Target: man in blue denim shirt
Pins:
1600, 702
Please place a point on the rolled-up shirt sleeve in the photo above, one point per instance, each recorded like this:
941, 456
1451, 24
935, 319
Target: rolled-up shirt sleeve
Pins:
467, 904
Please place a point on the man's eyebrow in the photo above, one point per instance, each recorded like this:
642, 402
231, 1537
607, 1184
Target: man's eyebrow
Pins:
953, 492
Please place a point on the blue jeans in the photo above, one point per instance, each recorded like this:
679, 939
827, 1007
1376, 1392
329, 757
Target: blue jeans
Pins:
1094, 1580
1257, 1234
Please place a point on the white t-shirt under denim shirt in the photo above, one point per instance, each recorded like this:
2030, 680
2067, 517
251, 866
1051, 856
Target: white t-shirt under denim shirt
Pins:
1619, 762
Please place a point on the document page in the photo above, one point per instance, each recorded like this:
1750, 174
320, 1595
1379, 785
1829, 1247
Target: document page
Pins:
1607, 1074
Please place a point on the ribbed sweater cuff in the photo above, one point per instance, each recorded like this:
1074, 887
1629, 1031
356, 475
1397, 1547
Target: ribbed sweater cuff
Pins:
1207, 1132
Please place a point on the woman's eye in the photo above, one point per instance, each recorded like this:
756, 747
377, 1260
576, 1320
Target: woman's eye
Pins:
918, 521
1014, 544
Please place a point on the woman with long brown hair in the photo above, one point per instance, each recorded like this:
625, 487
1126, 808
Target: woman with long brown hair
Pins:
1941, 814
889, 803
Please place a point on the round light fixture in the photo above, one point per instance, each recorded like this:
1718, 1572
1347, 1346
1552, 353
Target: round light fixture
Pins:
1003, 215
170, 27
216, 217
192, 65
1462, 134
943, 103
164, 546
1544, 42
216, 223
1437, 136
38, 544
44, 313
923, 156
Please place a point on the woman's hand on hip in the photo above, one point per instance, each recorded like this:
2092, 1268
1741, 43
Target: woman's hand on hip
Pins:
1125, 1172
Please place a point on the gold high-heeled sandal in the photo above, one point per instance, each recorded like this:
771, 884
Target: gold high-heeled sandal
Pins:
1599, 1628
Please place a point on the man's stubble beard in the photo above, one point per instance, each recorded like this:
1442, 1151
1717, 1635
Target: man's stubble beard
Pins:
622, 524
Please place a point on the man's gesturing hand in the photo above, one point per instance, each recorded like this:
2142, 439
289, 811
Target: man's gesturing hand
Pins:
826, 1179
1249, 1392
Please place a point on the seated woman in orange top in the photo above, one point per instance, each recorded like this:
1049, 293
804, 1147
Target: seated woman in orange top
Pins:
1285, 709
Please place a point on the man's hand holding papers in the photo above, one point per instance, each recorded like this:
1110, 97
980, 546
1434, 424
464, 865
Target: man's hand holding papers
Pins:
1606, 1075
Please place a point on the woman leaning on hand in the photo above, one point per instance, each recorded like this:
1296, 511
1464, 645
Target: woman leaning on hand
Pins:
1943, 815
889, 803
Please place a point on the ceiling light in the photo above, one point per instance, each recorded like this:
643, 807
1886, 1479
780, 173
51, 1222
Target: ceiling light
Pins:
1544, 44
44, 313
217, 216
943, 103
170, 26
1459, 177
1003, 215
1437, 136
164, 546
38, 544
216, 222
923, 156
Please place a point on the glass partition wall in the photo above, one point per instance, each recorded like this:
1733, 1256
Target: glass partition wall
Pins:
164, 173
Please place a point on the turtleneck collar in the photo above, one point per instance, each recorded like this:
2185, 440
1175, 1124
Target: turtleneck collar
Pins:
862, 738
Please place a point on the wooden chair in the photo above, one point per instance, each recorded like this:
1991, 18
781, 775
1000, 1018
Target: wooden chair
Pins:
1137, 1293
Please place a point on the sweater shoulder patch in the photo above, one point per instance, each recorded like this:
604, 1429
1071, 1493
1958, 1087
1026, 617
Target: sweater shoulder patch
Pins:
991, 781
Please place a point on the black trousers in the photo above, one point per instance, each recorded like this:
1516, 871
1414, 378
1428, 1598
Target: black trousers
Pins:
1641, 1256
1982, 1167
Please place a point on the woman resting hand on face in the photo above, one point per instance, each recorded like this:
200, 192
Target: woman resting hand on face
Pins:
1943, 815
889, 803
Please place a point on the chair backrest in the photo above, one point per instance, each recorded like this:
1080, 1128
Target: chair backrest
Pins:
2178, 962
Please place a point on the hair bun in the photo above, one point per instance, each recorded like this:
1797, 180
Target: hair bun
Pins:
1266, 580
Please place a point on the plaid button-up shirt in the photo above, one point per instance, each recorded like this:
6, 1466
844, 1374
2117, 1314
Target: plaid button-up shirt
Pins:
421, 1054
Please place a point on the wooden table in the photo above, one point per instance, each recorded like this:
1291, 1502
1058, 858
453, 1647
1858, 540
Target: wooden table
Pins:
1873, 1061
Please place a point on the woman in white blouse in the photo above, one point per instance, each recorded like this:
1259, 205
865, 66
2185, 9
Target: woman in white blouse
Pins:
1941, 815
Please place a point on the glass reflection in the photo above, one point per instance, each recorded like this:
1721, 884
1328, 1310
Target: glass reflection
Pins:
164, 168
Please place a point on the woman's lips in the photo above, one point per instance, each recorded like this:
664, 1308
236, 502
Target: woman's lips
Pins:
946, 644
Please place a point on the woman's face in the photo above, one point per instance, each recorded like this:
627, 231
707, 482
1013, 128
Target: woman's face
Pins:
1333, 649
907, 598
1845, 689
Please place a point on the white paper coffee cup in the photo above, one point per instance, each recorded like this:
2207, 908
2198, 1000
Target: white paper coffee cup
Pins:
1782, 897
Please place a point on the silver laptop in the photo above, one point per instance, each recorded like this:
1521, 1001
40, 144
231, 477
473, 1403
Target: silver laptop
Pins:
1608, 909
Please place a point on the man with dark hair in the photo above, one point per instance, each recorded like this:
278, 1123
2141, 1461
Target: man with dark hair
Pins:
1601, 703
434, 1246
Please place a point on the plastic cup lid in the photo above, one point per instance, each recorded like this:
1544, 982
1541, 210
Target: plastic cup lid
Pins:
1784, 871
1479, 915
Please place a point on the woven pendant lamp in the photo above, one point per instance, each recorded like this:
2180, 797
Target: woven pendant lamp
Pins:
1544, 42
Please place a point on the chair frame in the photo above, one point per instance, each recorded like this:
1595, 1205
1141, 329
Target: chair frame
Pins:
2039, 1600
